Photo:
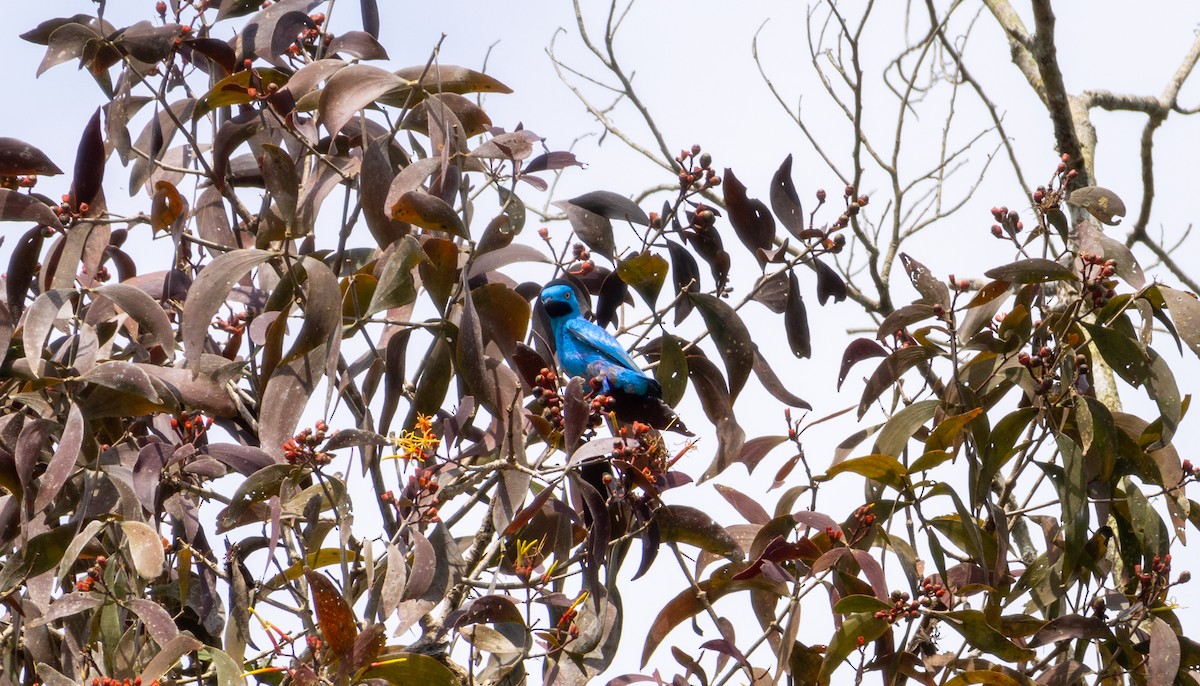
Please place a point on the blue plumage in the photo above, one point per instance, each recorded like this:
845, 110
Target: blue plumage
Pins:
587, 350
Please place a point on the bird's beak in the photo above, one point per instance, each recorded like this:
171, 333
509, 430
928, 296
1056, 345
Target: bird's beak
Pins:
555, 307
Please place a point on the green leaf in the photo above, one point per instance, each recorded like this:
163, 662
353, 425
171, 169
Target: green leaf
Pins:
410, 668
232, 90
1121, 352
1001, 447
209, 292
1033, 270
946, 434
396, 286
685, 524
692, 601
856, 627
1185, 313
882, 468
672, 370
895, 434
645, 273
974, 627
428, 212
853, 604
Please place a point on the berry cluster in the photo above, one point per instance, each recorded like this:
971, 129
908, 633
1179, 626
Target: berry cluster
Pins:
582, 263
697, 172
1047, 198
1009, 222
1042, 364
546, 392
959, 285
235, 326
191, 426
67, 212
863, 524
301, 449
418, 501
1190, 472
1098, 283
111, 681
95, 575
903, 608
1154, 581
642, 450
15, 182
102, 275
934, 592
306, 40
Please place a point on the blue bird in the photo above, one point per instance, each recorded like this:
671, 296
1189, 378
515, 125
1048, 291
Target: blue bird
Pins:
587, 350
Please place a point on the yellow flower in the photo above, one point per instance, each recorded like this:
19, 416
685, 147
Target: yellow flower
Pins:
417, 444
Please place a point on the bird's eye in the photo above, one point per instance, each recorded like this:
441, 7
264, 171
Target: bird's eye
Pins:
568, 295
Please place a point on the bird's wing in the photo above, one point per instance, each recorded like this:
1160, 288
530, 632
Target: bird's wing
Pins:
594, 339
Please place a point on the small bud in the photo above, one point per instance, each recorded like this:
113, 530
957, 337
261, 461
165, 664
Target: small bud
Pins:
997, 231
849, 192
820, 195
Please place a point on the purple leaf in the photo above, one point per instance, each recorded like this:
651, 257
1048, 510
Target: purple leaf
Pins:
858, 350
750, 218
89, 165
784, 199
18, 158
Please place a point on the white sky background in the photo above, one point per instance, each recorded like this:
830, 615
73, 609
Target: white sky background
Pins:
695, 72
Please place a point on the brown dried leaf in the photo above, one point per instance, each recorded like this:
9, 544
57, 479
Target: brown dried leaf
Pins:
335, 618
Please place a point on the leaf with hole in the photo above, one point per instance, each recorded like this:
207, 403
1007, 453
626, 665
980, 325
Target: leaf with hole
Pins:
731, 336
1101, 203
750, 218
784, 199
829, 283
